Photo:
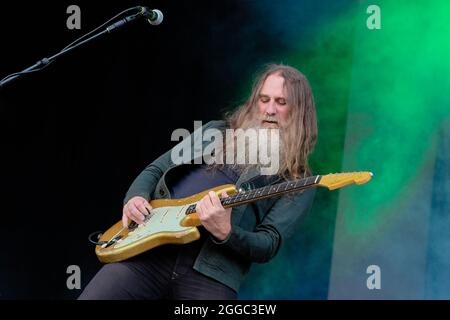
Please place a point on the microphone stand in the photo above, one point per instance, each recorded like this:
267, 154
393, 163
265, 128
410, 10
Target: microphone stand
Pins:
46, 61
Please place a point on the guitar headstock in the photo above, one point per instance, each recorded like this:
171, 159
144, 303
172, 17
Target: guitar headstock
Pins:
339, 180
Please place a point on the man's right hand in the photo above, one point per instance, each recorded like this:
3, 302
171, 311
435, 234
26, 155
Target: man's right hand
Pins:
135, 210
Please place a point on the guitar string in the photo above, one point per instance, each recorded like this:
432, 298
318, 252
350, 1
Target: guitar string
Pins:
257, 193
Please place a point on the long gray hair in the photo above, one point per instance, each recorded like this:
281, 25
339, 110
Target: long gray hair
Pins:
299, 136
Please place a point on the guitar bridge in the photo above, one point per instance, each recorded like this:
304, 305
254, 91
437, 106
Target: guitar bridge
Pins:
112, 241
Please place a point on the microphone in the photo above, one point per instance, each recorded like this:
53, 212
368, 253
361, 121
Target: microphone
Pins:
154, 17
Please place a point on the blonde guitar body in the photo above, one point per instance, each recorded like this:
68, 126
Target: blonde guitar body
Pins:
175, 220
167, 223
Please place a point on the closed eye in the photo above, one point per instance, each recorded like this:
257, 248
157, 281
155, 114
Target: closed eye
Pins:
281, 101
264, 99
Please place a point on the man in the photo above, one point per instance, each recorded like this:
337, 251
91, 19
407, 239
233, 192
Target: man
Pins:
214, 266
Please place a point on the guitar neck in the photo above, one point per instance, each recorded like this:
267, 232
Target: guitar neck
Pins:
331, 181
244, 197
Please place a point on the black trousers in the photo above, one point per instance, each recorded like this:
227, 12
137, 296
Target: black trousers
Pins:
162, 273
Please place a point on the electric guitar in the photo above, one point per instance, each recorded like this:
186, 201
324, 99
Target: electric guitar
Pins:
175, 220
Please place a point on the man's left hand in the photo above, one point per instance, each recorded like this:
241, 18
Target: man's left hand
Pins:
214, 217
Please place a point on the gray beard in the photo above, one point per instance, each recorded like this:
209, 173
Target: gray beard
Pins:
264, 153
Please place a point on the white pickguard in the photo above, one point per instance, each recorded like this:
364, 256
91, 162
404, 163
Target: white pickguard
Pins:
163, 219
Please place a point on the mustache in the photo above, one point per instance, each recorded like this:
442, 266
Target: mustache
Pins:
269, 118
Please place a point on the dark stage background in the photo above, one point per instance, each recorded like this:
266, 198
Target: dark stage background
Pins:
75, 135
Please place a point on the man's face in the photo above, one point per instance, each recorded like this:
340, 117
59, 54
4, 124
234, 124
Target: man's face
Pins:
272, 105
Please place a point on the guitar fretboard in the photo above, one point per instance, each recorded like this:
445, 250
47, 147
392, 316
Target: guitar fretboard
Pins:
243, 197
